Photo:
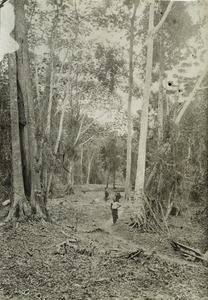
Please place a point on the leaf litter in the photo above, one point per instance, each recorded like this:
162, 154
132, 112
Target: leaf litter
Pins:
80, 255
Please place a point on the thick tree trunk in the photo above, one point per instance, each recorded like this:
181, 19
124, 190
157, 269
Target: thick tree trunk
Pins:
129, 126
24, 145
19, 205
25, 85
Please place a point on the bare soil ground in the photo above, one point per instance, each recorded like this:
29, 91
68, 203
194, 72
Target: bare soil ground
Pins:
81, 255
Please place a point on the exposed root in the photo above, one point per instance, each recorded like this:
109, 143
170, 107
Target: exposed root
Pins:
21, 210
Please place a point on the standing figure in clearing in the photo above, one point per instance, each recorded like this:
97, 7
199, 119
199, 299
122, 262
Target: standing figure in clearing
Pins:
106, 193
114, 208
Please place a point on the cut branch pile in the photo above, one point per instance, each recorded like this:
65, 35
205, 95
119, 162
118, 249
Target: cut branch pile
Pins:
189, 253
68, 245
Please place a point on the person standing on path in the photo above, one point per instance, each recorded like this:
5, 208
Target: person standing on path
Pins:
114, 209
106, 193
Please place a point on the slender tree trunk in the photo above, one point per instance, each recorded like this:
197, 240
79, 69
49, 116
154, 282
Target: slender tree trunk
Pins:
114, 179
161, 92
70, 185
107, 178
129, 126
52, 73
167, 104
49, 95
61, 122
160, 112
47, 133
50, 102
81, 165
89, 168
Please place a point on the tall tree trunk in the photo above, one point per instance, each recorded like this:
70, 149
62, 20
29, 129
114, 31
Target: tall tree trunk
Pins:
129, 126
64, 105
58, 140
160, 113
26, 90
140, 175
19, 205
50, 102
45, 140
161, 92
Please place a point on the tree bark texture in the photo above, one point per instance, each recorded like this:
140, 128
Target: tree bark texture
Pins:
18, 207
140, 176
161, 92
58, 140
70, 185
26, 103
89, 168
129, 126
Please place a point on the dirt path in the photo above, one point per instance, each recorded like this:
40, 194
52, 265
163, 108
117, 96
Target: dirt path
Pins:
31, 267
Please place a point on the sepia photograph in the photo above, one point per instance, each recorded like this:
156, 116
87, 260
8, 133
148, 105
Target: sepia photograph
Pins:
104, 149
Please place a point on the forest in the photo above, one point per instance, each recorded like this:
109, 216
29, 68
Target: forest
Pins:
103, 149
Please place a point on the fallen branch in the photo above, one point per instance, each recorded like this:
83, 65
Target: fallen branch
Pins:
71, 240
189, 252
97, 230
134, 254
